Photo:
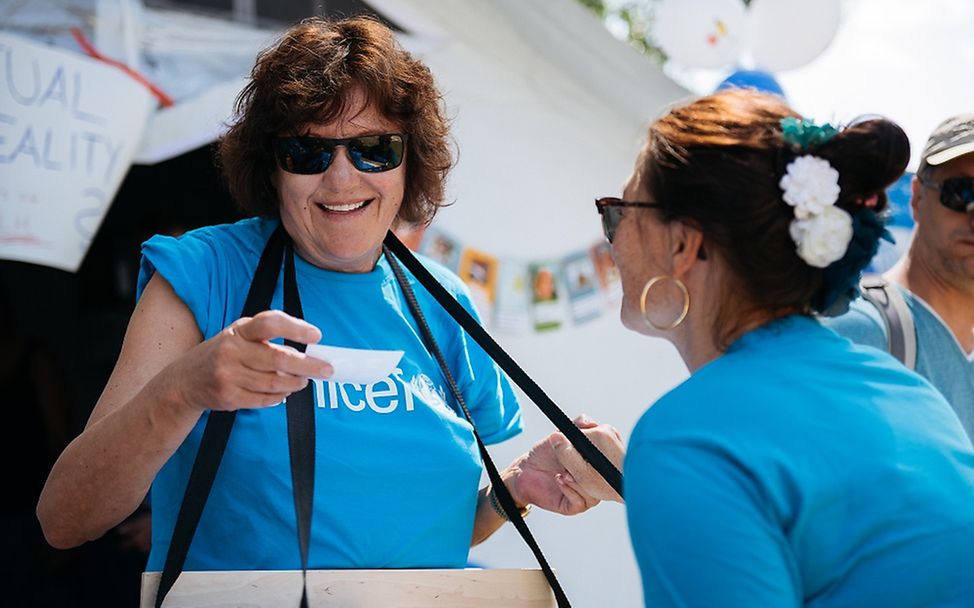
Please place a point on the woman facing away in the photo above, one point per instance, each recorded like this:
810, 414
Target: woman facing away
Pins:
793, 468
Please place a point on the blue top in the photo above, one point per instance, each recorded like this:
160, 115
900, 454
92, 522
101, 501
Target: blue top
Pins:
799, 469
940, 358
396, 471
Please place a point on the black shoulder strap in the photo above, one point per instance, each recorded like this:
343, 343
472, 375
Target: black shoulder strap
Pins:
300, 433
217, 431
503, 495
901, 341
597, 459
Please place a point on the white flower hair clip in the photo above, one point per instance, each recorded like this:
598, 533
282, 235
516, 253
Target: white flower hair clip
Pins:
821, 231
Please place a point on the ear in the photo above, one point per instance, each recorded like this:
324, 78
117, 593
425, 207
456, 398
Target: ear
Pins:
686, 248
916, 190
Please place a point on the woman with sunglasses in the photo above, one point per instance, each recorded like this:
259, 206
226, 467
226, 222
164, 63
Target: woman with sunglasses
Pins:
340, 136
793, 468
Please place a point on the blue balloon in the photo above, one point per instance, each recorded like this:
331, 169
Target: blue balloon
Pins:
900, 225
752, 79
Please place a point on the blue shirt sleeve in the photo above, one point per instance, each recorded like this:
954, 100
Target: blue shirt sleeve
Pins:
488, 391
700, 531
484, 385
190, 265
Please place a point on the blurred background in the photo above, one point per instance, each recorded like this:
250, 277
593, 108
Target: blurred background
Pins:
108, 112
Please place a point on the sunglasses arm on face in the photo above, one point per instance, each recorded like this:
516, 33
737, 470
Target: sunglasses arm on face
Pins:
610, 208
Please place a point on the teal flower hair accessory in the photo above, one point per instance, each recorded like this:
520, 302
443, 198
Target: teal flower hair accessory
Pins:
802, 134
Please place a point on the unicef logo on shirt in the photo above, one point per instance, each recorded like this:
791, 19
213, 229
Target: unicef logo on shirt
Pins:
383, 397
425, 389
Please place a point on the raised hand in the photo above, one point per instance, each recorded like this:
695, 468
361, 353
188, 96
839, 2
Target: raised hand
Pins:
540, 478
240, 368
608, 440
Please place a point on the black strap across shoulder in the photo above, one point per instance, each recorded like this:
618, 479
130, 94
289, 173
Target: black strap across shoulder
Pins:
216, 434
585, 447
300, 415
503, 495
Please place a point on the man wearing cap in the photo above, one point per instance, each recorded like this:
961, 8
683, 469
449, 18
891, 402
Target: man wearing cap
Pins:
936, 276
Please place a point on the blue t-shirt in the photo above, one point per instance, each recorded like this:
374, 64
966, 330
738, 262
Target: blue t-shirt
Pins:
940, 358
397, 470
799, 469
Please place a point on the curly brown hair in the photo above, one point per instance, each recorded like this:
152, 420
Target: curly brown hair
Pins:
716, 163
306, 77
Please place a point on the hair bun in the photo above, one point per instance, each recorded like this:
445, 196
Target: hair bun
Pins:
869, 156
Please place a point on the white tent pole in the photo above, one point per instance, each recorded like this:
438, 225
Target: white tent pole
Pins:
129, 9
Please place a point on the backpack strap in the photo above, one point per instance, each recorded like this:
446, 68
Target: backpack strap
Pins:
901, 341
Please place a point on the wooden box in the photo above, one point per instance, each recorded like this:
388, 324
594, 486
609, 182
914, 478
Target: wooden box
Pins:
470, 588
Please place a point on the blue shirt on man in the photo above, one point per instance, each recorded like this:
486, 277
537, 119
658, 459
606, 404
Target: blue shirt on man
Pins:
397, 470
799, 469
940, 358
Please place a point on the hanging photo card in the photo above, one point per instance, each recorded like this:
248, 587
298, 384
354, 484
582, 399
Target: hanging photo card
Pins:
584, 297
608, 274
441, 248
546, 303
69, 127
511, 312
479, 271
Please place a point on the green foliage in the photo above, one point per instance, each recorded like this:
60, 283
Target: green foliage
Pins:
635, 18
596, 6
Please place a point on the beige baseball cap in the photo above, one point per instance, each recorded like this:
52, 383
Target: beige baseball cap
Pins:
952, 138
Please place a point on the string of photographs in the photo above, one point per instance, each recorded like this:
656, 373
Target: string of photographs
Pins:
517, 296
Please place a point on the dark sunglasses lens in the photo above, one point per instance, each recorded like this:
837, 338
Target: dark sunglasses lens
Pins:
375, 153
303, 155
957, 193
611, 215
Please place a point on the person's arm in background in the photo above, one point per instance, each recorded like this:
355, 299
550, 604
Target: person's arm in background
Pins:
163, 380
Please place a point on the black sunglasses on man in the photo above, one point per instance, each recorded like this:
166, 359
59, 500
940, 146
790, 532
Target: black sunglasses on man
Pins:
956, 193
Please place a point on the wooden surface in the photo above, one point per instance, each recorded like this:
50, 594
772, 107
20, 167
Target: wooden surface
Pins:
471, 588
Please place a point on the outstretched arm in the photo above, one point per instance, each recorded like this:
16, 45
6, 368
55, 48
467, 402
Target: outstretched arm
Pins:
165, 377
535, 478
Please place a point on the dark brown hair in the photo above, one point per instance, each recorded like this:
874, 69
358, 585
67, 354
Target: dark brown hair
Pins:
306, 77
716, 164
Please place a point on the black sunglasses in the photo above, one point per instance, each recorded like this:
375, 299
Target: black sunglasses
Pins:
610, 208
956, 193
307, 155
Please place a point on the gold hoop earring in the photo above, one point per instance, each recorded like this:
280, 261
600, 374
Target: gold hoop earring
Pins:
686, 302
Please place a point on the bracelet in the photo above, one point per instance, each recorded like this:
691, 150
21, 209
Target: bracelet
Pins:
496, 505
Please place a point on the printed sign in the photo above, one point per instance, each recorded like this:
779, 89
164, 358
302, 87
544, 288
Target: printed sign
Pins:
69, 127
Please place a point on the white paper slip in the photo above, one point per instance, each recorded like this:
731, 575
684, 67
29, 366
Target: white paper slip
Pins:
355, 364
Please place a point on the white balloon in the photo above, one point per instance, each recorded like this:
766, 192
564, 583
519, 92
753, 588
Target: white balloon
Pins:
701, 33
787, 34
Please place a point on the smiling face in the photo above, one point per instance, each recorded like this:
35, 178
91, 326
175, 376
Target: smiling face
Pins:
338, 219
